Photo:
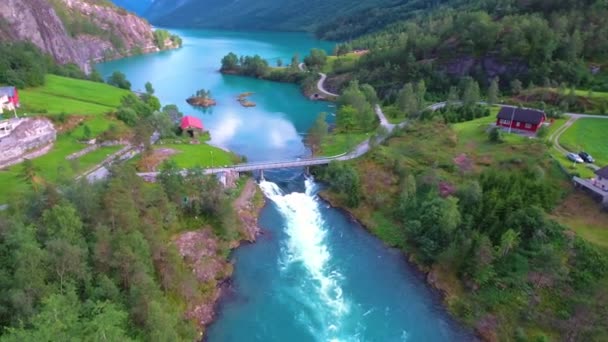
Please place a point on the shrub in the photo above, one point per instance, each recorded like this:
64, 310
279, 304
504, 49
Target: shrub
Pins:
118, 79
495, 135
127, 115
543, 131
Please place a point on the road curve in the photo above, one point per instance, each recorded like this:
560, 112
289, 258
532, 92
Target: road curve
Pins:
321, 87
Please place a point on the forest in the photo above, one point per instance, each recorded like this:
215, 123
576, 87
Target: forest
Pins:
96, 262
537, 43
22, 65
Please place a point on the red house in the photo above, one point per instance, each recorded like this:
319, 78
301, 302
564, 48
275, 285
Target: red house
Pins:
523, 119
12, 94
191, 125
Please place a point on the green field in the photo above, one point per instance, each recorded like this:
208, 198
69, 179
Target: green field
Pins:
202, 155
71, 96
589, 135
337, 62
336, 144
585, 93
53, 167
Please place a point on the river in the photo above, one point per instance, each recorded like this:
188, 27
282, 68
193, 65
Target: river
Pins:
315, 275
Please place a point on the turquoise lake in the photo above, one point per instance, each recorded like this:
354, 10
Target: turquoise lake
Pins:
315, 274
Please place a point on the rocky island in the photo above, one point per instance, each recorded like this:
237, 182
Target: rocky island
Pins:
202, 98
243, 100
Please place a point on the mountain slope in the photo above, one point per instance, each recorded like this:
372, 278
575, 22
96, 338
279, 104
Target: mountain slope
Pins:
77, 31
256, 14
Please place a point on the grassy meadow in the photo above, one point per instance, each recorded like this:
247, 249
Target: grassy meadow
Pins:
200, 155
85, 102
71, 96
589, 135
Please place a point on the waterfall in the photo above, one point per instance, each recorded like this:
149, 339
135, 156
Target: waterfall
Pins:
306, 248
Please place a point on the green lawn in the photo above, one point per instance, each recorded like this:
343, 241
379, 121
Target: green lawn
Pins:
346, 61
596, 235
585, 93
556, 125
53, 166
590, 135
583, 170
335, 144
202, 155
71, 96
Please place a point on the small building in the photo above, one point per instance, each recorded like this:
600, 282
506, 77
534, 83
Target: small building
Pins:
191, 125
12, 94
601, 181
524, 119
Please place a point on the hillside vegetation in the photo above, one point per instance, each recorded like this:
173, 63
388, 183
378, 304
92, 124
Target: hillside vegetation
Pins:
59, 95
475, 214
547, 43
289, 15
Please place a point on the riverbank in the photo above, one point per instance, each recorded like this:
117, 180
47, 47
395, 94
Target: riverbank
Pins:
208, 256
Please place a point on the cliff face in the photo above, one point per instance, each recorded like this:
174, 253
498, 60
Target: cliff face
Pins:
77, 31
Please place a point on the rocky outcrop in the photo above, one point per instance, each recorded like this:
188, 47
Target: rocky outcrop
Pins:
29, 138
200, 250
57, 29
488, 65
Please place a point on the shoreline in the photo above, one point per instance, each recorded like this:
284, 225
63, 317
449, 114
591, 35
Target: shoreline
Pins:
307, 92
248, 206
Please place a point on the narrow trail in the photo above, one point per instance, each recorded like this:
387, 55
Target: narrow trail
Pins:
554, 138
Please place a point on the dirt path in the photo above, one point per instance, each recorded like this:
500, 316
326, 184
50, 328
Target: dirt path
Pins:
243, 201
247, 210
554, 138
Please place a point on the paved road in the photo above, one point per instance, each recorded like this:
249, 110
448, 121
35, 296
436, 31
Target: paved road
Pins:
320, 83
321, 87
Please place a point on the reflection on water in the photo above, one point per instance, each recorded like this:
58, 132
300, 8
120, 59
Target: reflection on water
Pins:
271, 130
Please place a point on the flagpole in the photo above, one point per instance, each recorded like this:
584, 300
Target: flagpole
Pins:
511, 123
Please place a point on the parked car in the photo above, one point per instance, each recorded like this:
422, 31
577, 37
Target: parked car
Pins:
575, 158
586, 157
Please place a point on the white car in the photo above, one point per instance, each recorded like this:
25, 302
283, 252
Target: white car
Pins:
575, 158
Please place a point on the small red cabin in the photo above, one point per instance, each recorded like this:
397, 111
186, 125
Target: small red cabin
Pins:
524, 119
191, 125
12, 94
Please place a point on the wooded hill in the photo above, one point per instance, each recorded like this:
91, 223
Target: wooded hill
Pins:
544, 43
288, 15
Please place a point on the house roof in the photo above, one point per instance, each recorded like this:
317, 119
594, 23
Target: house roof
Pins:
603, 172
8, 91
190, 122
525, 115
